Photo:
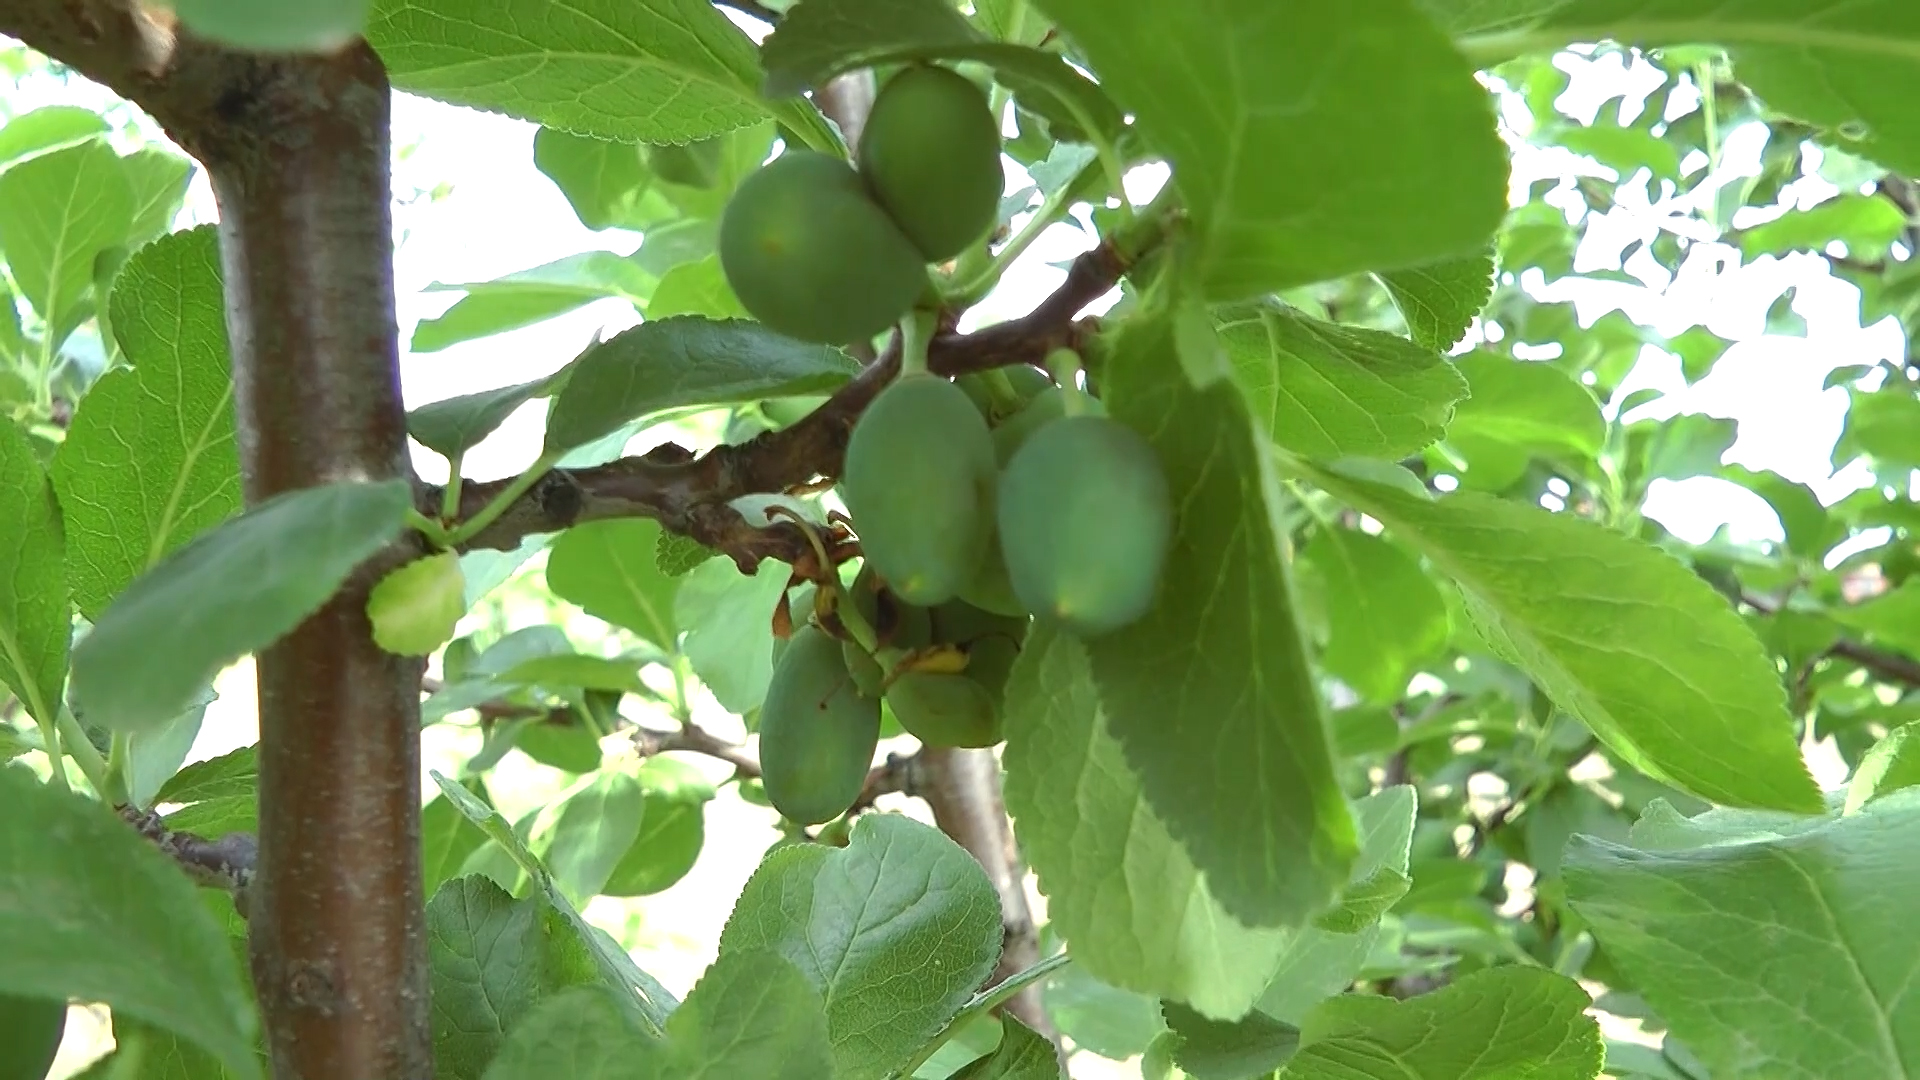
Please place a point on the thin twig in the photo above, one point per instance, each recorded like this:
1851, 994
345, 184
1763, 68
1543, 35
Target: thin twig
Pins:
1888, 665
898, 774
227, 863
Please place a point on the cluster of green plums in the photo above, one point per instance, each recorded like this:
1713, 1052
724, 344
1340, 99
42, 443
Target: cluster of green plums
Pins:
822, 251
977, 513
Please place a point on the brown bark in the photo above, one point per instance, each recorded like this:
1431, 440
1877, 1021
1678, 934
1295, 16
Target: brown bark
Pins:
298, 151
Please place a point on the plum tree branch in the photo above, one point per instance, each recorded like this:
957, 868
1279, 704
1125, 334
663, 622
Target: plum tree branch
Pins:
1891, 666
690, 494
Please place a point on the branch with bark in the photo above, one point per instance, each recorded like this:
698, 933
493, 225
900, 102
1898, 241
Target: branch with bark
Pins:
1882, 663
691, 494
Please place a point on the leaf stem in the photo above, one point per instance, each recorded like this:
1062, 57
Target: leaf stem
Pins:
490, 512
435, 532
1055, 207
85, 755
986, 999
450, 495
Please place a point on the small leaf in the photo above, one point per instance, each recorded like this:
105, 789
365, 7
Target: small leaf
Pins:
90, 911
896, 931
1637, 646
525, 297
685, 361
582, 835
1253, 1046
668, 71
1892, 617
48, 128
1329, 391
580, 1033
1530, 405
452, 426
1440, 300
230, 591
639, 994
1021, 1055
313, 26
673, 829
728, 617
159, 179
1892, 765
1250, 132
752, 1014
1492, 1025
492, 959
1724, 922
447, 838
825, 38
605, 181
677, 555
608, 568
416, 606
153, 756
1385, 616
1867, 224
1265, 822
149, 460
695, 288
234, 774
35, 620
58, 212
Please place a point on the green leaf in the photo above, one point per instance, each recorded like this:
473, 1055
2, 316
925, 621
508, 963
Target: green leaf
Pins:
1229, 1050
580, 1033
1625, 150
1492, 1025
492, 959
1892, 617
1332, 391
179, 624
1021, 1055
452, 426
1098, 1016
1882, 424
1725, 926
1439, 300
35, 622
154, 756
825, 38
1867, 224
608, 569
90, 911
580, 670
673, 829
1528, 405
667, 71
447, 839
1385, 616
752, 1014
275, 25
1892, 765
677, 555
160, 1055
695, 288
58, 212
729, 622
48, 128
1848, 68
674, 363
582, 835
234, 774
640, 996
415, 608
605, 181
525, 297
1261, 131
1265, 822
30, 1034
1621, 635
159, 179
1134, 909
149, 459
896, 931
1803, 518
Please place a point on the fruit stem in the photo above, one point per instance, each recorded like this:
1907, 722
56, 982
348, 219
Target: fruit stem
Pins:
916, 330
1064, 366
975, 289
435, 532
1006, 400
